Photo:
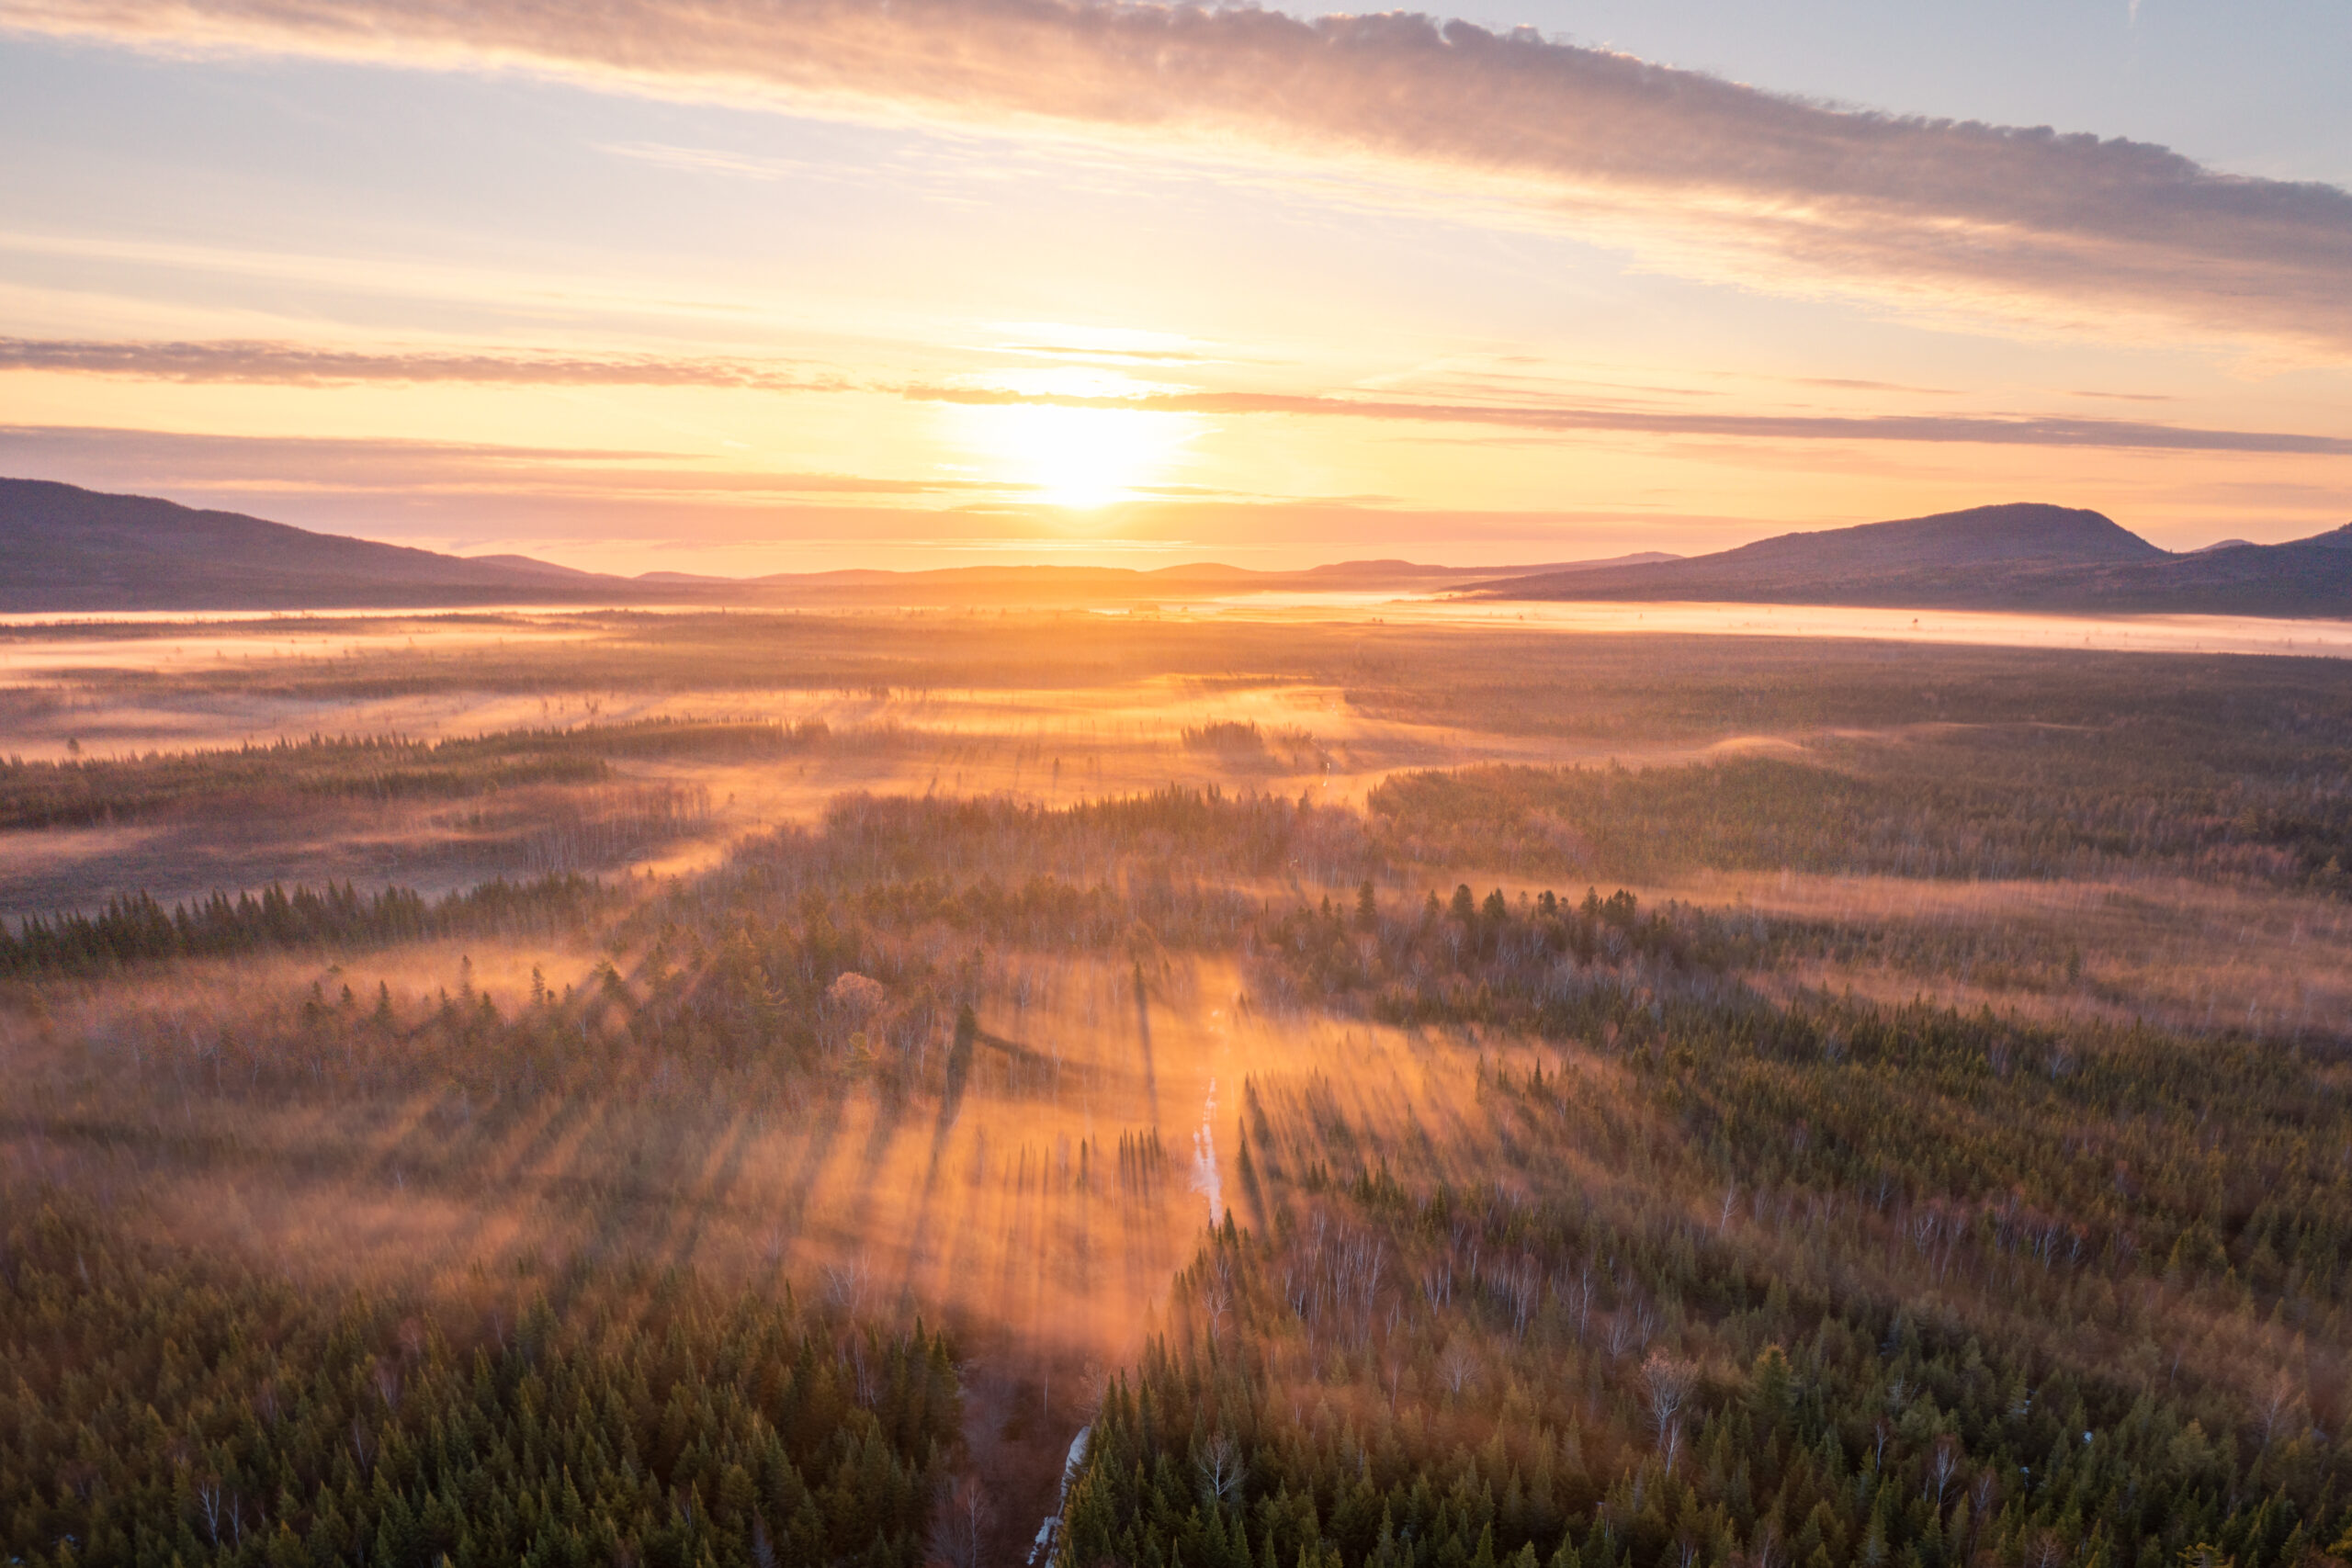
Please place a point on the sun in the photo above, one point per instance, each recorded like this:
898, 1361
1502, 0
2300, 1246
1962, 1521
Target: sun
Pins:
1078, 458
1084, 459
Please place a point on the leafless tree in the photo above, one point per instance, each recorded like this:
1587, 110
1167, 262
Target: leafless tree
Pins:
1669, 1443
208, 1502
1982, 1497
2278, 1406
1665, 1387
1217, 1295
1222, 1467
1577, 1292
960, 1530
1943, 1465
845, 1284
1525, 1285
1458, 1365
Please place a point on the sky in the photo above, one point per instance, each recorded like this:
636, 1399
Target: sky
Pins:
753, 286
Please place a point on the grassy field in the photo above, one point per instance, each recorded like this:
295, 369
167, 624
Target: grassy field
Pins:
751, 1089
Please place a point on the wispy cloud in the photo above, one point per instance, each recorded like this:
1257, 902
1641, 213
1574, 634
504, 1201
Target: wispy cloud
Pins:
289, 363
706, 160
1704, 172
294, 464
1989, 430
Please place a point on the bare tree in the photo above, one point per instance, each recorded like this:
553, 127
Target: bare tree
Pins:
845, 1284
1222, 1467
1669, 1444
958, 1531
208, 1502
1983, 1493
1525, 1285
1458, 1365
1943, 1465
1578, 1293
1665, 1387
2278, 1406
1217, 1295
387, 1385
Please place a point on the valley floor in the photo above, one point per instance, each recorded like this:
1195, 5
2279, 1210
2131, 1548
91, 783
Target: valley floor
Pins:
1409, 1091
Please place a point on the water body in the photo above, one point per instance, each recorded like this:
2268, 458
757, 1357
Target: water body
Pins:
2144, 634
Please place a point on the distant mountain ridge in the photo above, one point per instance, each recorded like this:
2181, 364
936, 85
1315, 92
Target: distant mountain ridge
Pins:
65, 549
2023, 556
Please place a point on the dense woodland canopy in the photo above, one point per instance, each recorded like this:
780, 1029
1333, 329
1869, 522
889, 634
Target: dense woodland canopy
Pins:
159, 1410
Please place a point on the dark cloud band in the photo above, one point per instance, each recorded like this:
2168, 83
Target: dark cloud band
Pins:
284, 362
290, 363
1937, 428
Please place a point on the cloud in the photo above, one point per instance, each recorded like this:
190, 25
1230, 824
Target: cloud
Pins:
292, 465
300, 364
1705, 174
2000, 431
292, 364
706, 161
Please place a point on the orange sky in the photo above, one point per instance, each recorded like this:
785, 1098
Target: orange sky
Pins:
814, 283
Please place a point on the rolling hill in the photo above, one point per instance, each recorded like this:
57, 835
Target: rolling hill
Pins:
65, 549
2018, 556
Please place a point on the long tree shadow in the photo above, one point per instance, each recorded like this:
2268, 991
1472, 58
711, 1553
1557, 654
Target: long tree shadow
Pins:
956, 1080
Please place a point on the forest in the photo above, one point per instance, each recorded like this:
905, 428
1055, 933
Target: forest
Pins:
1146, 1094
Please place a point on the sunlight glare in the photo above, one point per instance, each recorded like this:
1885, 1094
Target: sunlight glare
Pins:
1084, 459
1080, 459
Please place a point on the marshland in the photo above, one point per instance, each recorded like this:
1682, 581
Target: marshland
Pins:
748, 1087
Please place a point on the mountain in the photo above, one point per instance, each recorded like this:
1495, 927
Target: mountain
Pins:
1046, 584
2023, 556
2302, 577
65, 548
